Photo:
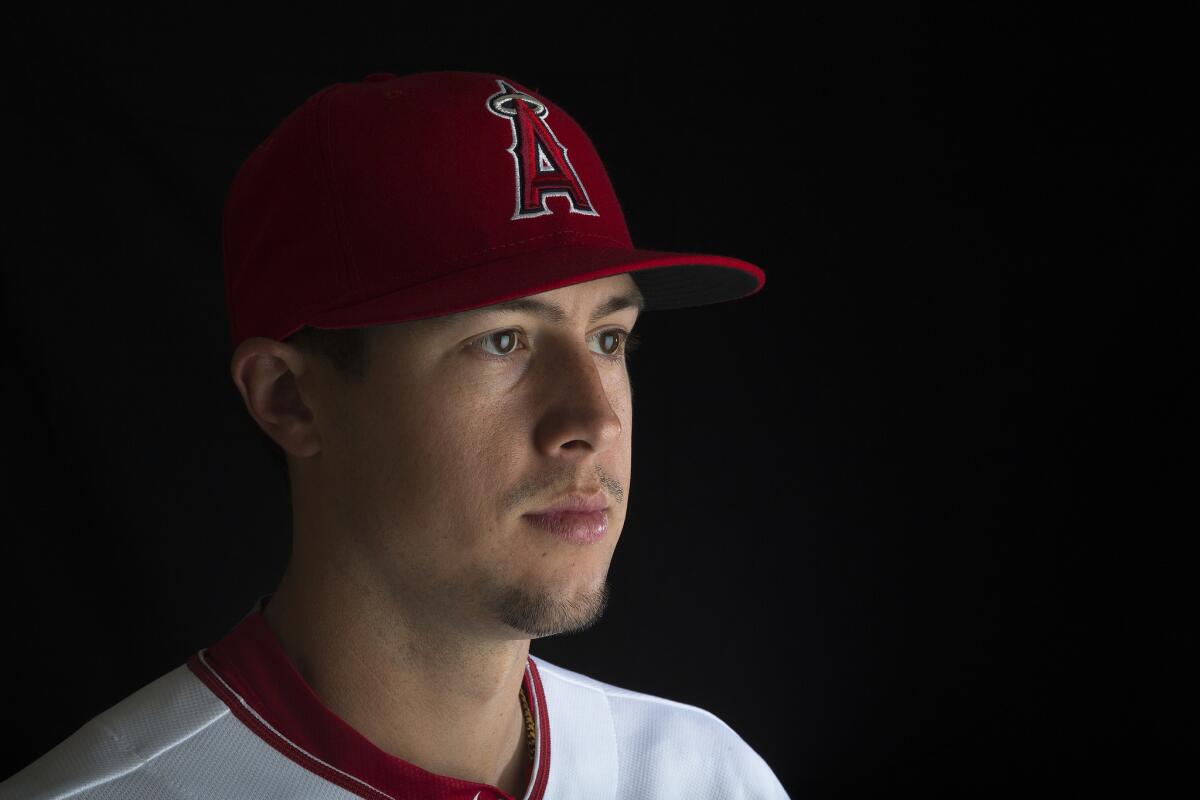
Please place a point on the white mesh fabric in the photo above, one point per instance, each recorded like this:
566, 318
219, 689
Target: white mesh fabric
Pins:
633, 745
175, 740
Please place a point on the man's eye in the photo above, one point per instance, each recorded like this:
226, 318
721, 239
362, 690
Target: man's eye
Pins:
506, 341
625, 342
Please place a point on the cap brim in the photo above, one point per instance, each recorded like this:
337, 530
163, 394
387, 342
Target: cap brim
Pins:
666, 279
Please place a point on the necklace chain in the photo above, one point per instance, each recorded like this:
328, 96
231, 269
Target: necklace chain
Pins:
530, 728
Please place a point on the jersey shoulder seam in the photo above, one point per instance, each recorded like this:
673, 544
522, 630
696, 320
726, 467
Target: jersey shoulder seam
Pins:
144, 761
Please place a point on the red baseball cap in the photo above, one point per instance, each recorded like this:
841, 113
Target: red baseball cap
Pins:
401, 197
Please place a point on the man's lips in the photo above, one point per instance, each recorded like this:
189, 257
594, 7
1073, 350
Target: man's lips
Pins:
576, 502
575, 526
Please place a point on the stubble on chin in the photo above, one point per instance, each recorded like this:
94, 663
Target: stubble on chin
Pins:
539, 613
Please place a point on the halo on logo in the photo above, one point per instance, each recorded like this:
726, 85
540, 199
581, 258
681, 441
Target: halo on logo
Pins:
502, 103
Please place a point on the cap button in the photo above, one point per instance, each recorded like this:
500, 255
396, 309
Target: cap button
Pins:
379, 76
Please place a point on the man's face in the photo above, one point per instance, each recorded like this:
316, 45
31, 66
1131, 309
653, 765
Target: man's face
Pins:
467, 422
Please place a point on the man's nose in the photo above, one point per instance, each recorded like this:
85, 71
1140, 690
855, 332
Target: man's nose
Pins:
578, 401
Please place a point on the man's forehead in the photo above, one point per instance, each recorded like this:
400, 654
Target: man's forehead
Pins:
608, 302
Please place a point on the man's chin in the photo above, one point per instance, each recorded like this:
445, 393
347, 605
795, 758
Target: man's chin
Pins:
536, 615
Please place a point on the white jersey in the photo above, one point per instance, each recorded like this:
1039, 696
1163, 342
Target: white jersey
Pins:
237, 720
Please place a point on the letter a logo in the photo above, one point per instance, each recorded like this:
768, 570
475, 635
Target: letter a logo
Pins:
542, 166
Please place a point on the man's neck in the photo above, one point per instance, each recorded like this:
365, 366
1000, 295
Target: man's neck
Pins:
447, 704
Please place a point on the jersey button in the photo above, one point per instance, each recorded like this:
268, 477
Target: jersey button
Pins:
379, 76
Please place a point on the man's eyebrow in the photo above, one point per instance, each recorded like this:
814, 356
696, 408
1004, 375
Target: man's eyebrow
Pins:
551, 311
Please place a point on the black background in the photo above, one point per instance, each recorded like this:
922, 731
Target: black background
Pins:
915, 515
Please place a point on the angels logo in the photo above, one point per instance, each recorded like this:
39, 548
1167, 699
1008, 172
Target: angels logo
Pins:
542, 166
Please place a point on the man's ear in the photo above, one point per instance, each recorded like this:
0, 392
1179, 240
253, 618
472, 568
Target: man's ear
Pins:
267, 374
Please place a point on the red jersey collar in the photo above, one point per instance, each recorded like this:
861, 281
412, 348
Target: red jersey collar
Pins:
251, 672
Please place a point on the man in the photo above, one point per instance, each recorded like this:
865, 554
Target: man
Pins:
431, 289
